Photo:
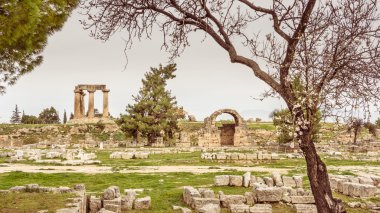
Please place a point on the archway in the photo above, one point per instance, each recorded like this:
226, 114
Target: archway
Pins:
230, 134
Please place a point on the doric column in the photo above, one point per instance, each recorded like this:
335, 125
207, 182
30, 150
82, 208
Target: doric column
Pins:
77, 103
82, 107
105, 103
91, 112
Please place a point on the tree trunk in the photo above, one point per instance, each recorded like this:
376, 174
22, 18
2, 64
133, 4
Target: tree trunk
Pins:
318, 176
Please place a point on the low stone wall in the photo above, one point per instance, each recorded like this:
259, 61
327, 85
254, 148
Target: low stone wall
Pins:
265, 191
254, 156
129, 155
113, 201
352, 186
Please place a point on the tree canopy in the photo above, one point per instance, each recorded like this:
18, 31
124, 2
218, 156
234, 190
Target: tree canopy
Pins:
49, 116
155, 112
24, 30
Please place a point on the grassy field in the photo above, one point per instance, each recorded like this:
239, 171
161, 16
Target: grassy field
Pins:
32, 202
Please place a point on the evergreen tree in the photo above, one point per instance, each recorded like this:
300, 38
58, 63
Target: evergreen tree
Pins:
16, 118
25, 28
155, 112
30, 119
64, 117
49, 116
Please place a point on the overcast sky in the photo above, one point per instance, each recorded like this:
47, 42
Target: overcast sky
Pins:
206, 80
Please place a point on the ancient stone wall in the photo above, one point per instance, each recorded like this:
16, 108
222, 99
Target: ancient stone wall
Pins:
212, 136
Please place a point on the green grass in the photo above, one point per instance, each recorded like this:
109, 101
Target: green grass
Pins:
165, 189
32, 202
262, 125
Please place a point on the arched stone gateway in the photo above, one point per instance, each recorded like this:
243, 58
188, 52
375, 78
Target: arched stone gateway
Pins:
228, 135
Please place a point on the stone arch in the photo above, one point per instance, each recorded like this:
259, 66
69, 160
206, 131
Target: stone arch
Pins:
239, 121
228, 135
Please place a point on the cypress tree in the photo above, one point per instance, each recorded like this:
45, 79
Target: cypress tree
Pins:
155, 112
16, 118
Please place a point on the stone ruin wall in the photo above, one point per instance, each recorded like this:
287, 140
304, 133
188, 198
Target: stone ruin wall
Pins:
211, 135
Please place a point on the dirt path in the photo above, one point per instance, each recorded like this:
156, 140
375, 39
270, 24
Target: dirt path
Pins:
90, 169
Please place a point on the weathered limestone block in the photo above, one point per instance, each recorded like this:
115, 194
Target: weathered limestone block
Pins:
142, 203
261, 208
250, 198
358, 190
246, 179
268, 181
275, 156
206, 193
252, 181
267, 156
18, 189
189, 193
299, 181
288, 181
236, 180
302, 199
260, 155
234, 156
277, 179
227, 200
251, 156
239, 208
366, 180
376, 180
141, 155
305, 208
111, 193
199, 202
353, 179
222, 180
209, 208
68, 210
112, 208
64, 189
103, 210
300, 192
95, 204
221, 156
32, 188
269, 194
242, 156
183, 209
116, 202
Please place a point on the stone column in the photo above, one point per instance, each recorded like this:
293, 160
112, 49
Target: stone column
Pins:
105, 103
77, 103
91, 112
82, 107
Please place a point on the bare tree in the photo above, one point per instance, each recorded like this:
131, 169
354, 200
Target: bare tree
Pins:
331, 48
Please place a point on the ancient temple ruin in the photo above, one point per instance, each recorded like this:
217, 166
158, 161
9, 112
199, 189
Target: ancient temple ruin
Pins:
79, 103
235, 134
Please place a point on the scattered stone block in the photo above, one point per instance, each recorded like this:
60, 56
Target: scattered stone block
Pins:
32, 188
236, 180
222, 180
302, 199
95, 204
227, 200
112, 208
288, 181
189, 193
366, 180
142, 203
209, 208
305, 208
268, 181
183, 209
277, 179
18, 189
275, 156
251, 156
246, 179
269, 194
199, 202
207, 193
111, 193
261, 208
250, 198
239, 208
299, 181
